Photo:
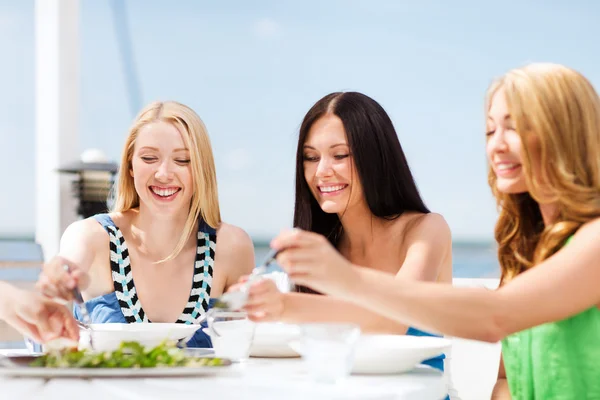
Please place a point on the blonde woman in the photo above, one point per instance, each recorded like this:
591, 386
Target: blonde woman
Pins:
543, 148
155, 257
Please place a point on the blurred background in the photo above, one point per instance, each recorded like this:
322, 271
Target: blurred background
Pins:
252, 69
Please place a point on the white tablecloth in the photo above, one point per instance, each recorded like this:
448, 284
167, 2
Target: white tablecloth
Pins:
256, 379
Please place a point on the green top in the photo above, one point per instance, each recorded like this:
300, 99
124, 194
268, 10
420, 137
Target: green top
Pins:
558, 360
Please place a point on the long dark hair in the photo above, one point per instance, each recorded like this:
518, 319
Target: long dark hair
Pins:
388, 184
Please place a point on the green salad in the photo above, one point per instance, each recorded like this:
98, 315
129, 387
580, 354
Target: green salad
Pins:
128, 355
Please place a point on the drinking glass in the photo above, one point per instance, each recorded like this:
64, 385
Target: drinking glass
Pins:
328, 350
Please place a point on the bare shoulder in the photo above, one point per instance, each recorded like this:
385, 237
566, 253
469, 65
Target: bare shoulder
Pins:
430, 226
233, 237
83, 242
590, 228
234, 253
588, 235
426, 251
87, 232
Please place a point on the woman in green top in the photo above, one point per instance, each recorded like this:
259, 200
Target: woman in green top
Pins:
543, 147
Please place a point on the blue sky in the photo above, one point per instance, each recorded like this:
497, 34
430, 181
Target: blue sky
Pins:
252, 69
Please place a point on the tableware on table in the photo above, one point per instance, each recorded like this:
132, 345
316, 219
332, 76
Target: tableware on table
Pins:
328, 350
110, 335
393, 354
19, 366
272, 340
235, 300
231, 333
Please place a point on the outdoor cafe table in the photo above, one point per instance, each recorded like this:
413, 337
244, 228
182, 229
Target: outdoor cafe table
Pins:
257, 378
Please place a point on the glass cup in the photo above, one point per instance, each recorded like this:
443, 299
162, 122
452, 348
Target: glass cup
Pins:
231, 333
328, 350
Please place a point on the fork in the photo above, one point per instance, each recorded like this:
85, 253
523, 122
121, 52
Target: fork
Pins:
236, 300
87, 320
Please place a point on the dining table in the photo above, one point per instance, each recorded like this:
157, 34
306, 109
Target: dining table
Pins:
255, 378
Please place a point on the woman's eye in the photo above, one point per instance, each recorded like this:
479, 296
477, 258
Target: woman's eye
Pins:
310, 158
148, 159
182, 161
489, 133
340, 156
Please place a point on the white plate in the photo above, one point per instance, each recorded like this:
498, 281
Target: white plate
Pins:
18, 367
110, 336
393, 354
272, 340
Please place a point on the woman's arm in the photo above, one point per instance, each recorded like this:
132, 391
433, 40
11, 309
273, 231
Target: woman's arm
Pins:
428, 244
561, 286
81, 241
304, 307
429, 248
79, 245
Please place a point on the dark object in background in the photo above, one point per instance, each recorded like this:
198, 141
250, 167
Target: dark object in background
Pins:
92, 186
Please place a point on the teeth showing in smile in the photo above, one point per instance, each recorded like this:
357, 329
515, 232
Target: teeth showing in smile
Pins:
329, 189
504, 167
164, 192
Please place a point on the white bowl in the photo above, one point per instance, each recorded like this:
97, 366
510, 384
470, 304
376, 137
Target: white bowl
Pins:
393, 354
108, 337
272, 340
390, 354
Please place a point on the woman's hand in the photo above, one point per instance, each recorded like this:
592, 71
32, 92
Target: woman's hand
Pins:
265, 302
59, 277
35, 316
310, 260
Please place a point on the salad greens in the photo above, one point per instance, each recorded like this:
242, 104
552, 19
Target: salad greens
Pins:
128, 355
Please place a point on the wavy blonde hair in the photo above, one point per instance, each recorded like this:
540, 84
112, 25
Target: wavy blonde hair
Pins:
556, 112
204, 202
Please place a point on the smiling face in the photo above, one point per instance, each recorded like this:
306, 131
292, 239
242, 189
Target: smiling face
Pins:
504, 147
328, 167
160, 169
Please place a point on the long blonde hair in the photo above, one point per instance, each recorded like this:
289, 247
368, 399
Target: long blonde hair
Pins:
557, 115
204, 200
